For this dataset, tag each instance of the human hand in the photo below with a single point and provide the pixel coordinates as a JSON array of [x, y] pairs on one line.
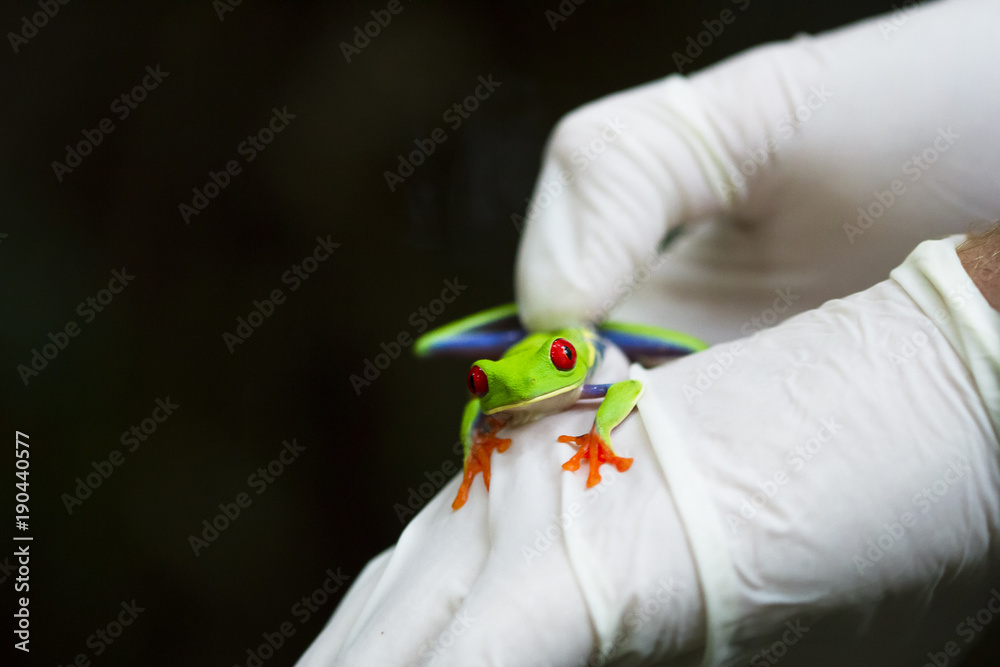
[[460, 586], [812, 504], [509, 578], [805, 170]]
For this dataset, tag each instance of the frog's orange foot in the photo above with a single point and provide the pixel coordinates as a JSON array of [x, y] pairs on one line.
[[479, 462], [596, 452]]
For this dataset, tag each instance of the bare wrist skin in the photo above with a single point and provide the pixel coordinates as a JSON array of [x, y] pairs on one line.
[[980, 255]]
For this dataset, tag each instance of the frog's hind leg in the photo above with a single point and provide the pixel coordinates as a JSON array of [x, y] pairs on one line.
[[649, 344], [482, 335], [595, 446]]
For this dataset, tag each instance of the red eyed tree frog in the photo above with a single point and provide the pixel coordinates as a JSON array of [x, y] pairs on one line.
[[527, 376]]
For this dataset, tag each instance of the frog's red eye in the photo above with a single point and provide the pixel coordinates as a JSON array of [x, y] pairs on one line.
[[478, 384], [563, 354]]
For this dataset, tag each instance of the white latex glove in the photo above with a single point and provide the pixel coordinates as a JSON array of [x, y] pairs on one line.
[[834, 120], [830, 496], [654, 564]]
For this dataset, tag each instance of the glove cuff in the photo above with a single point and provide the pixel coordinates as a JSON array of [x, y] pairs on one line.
[[935, 279]]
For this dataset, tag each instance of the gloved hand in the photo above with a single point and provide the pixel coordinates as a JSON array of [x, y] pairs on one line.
[[802, 170], [825, 492]]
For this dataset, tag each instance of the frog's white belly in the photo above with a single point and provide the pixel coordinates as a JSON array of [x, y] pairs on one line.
[[530, 411]]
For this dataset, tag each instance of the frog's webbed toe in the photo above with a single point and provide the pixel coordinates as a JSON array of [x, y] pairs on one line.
[[478, 461], [596, 452]]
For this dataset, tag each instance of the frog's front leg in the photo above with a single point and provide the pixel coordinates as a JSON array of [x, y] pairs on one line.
[[478, 441], [595, 447]]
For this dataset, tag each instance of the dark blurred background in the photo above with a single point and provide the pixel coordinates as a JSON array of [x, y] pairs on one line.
[[224, 69]]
